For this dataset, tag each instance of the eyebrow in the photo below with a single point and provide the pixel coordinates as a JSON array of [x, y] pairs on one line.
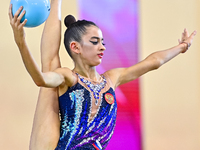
[[95, 37]]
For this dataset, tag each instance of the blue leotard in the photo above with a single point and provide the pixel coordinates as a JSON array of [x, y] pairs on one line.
[[78, 130]]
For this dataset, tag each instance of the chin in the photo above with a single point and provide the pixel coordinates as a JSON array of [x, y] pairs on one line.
[[96, 63], [99, 63]]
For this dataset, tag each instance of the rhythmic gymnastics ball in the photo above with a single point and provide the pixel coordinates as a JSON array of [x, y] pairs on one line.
[[37, 11]]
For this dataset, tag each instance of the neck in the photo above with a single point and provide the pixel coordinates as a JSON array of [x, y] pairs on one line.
[[87, 71]]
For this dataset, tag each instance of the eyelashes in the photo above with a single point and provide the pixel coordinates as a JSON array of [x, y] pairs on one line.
[[95, 43]]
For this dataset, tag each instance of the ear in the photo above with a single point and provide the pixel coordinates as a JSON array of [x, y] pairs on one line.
[[74, 46]]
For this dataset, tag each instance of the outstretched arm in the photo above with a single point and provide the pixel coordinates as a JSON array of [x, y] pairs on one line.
[[51, 38], [49, 79], [153, 61]]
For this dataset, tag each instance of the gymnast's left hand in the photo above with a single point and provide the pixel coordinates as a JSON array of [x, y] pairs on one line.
[[17, 27], [186, 39]]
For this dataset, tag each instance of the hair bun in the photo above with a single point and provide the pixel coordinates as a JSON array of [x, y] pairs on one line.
[[69, 20]]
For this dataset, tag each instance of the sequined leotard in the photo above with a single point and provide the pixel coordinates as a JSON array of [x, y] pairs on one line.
[[81, 128]]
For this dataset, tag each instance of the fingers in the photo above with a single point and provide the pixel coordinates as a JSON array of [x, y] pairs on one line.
[[183, 37], [186, 38], [179, 41], [193, 33], [23, 23], [192, 36], [186, 33], [17, 16], [10, 12], [15, 20], [21, 15]]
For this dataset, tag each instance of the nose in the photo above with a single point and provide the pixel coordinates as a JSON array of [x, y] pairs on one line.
[[103, 48]]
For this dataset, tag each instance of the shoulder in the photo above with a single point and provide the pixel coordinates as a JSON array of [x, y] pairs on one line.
[[113, 75], [68, 74]]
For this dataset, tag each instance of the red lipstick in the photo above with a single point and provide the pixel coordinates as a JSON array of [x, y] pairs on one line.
[[100, 55]]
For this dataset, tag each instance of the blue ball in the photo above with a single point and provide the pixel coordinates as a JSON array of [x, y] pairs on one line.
[[37, 11]]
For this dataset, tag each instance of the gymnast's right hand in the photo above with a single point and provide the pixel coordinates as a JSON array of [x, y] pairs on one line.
[[17, 27]]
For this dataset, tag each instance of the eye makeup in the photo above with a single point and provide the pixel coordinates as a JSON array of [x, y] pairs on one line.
[[96, 42]]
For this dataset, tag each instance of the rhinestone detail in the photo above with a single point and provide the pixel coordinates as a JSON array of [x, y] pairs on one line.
[[95, 88]]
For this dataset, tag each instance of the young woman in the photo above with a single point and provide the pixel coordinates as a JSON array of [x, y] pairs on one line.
[[87, 99]]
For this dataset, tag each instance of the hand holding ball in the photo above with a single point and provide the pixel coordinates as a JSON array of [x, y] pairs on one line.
[[37, 11]]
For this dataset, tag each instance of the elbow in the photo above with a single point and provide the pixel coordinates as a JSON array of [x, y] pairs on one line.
[[40, 83], [156, 63]]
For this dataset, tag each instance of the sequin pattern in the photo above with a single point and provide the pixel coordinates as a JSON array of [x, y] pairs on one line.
[[94, 88], [77, 132]]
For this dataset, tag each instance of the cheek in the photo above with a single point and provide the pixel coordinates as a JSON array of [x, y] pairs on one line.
[[88, 49]]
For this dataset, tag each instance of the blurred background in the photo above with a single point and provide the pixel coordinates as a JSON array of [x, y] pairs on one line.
[[167, 111]]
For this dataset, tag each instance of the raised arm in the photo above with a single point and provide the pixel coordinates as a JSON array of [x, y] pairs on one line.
[[51, 38], [153, 61], [49, 79]]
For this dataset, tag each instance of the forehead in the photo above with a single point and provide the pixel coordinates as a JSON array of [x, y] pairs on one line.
[[93, 31]]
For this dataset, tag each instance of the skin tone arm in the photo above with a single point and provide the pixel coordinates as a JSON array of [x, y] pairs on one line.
[[49, 79], [153, 61]]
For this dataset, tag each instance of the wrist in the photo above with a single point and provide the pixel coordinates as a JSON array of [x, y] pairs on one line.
[[185, 46], [21, 43]]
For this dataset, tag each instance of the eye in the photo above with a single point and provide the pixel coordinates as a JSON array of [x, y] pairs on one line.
[[103, 44], [94, 43]]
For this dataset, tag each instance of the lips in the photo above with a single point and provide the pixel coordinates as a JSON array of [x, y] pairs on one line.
[[100, 55]]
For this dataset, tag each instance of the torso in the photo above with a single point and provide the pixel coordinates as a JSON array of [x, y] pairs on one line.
[[87, 122]]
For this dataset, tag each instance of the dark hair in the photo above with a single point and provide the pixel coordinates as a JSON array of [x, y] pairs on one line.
[[75, 31]]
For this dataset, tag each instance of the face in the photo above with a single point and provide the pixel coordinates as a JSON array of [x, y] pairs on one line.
[[92, 46]]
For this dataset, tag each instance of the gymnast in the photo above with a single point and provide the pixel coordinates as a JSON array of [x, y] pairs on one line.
[[84, 98]]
